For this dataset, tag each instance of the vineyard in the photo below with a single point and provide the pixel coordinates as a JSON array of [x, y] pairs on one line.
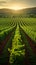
[[18, 41]]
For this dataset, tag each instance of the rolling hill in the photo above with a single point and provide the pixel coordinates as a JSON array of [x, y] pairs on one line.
[[28, 12]]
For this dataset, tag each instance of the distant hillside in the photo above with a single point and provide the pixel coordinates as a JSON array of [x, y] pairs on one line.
[[5, 12], [28, 12]]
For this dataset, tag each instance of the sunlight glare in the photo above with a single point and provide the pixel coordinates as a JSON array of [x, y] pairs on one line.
[[16, 7]]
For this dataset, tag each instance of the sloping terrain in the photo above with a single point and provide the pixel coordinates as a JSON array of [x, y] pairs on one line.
[[28, 12]]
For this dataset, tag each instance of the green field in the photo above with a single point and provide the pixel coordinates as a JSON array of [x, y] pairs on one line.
[[18, 41]]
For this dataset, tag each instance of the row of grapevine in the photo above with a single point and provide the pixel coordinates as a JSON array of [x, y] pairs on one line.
[[29, 55], [29, 26], [7, 29], [17, 51], [4, 47], [4, 33]]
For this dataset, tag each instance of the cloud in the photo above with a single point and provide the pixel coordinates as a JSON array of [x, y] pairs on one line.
[[2, 3], [23, 3]]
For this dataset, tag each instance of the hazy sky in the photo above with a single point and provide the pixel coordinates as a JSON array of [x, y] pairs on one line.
[[17, 4]]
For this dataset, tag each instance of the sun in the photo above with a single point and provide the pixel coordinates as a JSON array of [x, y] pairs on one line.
[[16, 7]]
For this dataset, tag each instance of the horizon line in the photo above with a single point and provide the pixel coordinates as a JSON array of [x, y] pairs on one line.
[[17, 9]]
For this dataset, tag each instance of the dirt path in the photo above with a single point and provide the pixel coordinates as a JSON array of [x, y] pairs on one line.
[[32, 45], [4, 42]]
